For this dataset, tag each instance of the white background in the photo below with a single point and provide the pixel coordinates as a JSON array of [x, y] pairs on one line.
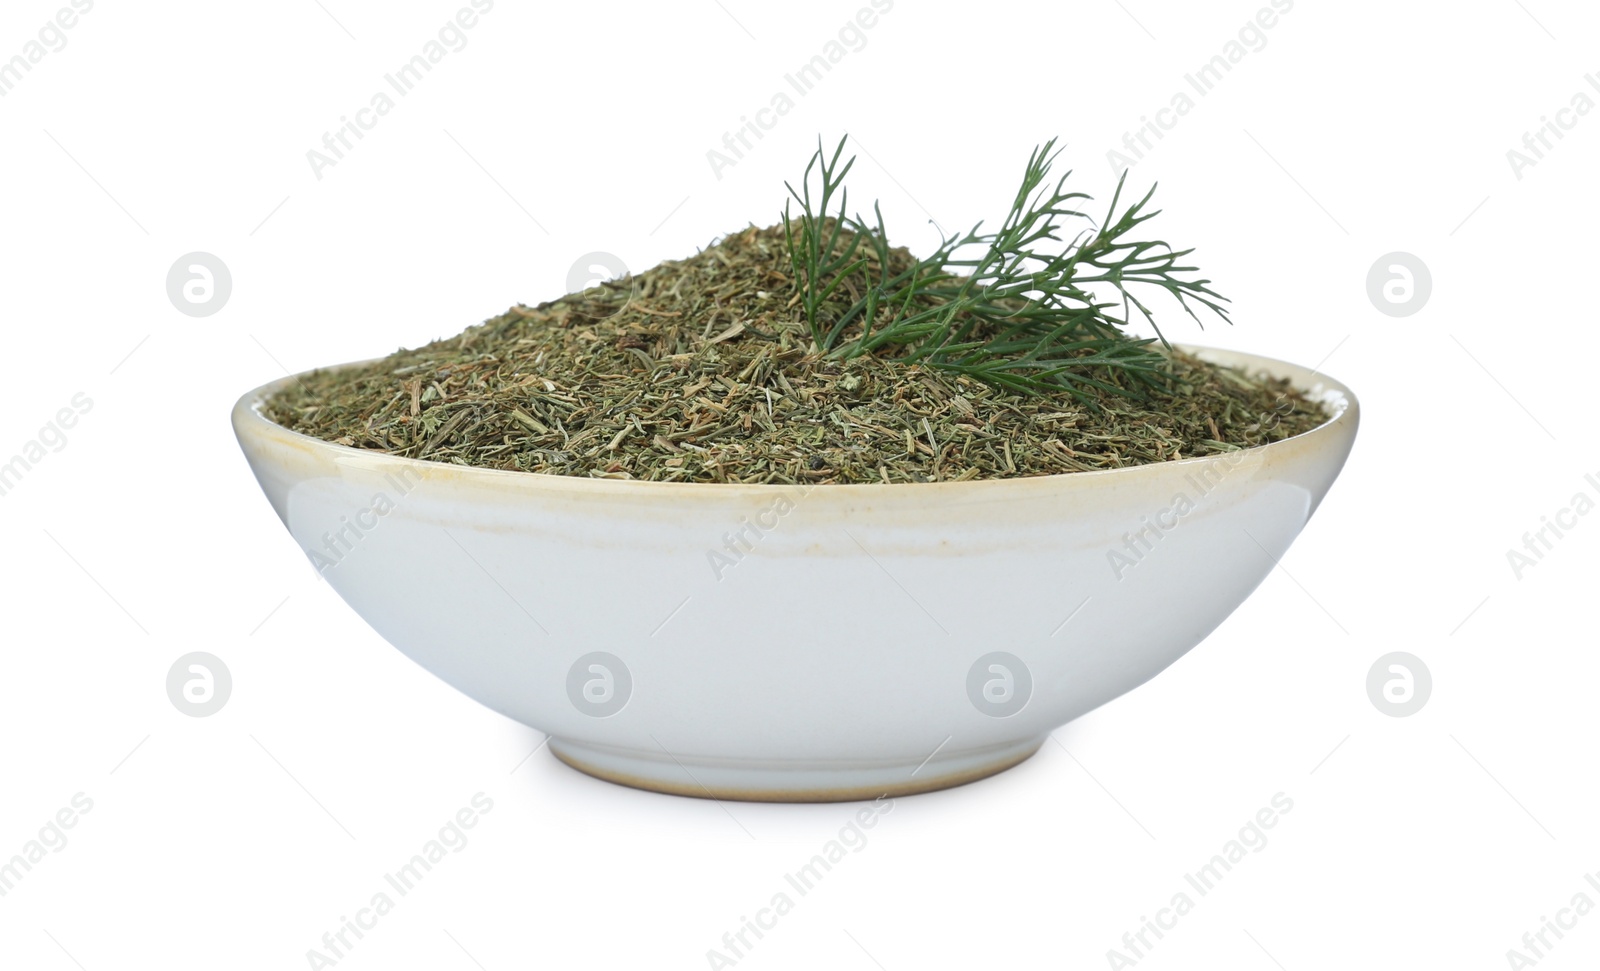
[[238, 840]]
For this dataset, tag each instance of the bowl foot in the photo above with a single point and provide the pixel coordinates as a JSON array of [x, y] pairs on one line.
[[789, 780]]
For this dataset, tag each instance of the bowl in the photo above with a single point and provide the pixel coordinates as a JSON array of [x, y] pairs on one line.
[[786, 643]]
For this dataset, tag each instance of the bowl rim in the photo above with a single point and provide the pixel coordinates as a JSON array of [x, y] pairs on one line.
[[249, 419]]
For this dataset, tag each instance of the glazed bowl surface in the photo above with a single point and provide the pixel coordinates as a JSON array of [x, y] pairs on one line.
[[786, 643]]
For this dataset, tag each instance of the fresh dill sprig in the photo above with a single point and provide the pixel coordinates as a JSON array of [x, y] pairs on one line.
[[1017, 307]]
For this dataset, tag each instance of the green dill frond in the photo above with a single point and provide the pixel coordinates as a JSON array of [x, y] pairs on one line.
[[1032, 307]]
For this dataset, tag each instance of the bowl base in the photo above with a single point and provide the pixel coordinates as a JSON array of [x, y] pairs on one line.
[[790, 781]]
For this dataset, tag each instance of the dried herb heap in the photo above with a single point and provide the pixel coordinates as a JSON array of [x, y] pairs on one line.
[[814, 352]]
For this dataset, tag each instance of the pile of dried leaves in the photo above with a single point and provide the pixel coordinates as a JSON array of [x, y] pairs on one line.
[[700, 371]]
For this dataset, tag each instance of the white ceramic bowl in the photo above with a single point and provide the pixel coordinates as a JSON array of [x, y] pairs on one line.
[[867, 639]]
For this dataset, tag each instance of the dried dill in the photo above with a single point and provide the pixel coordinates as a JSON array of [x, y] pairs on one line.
[[813, 352]]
